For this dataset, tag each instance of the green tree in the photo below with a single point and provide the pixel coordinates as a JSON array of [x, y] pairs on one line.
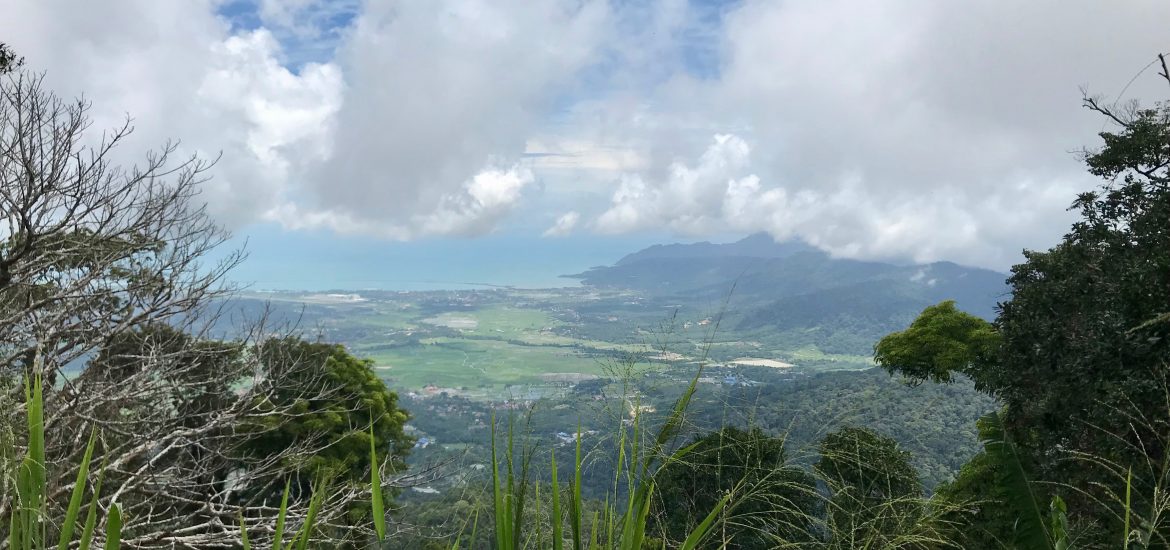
[[942, 341], [335, 421], [774, 499], [875, 493], [1080, 352]]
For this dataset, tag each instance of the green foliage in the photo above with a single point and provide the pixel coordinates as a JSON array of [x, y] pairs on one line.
[[778, 497], [1086, 335], [353, 411], [1019, 494], [1002, 507], [621, 524], [1078, 356], [941, 342], [377, 505], [874, 491], [1058, 515], [28, 526]]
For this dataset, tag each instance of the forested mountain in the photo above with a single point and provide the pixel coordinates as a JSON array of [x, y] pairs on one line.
[[799, 294], [759, 245], [762, 269]]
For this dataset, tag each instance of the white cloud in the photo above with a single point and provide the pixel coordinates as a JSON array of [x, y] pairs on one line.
[[564, 225], [472, 210], [892, 129], [687, 200], [182, 74], [435, 91], [417, 127]]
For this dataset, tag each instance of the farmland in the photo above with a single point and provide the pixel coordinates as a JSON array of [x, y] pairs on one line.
[[510, 344]]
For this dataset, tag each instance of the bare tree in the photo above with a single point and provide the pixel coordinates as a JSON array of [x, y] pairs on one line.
[[106, 291], [178, 415], [89, 249]]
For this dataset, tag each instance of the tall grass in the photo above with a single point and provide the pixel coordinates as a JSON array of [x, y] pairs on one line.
[[621, 522], [29, 525]]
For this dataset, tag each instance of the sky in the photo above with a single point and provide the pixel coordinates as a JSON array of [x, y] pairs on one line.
[[399, 144]]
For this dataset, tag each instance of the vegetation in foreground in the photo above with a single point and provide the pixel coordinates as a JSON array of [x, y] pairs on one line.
[[210, 443]]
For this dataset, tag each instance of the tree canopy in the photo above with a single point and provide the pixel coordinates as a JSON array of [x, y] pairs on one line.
[[777, 498], [1079, 354], [942, 341], [337, 419]]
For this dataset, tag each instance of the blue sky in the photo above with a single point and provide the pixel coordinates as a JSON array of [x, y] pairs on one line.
[[510, 141]]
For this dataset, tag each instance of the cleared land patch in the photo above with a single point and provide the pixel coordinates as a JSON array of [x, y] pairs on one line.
[[756, 362]]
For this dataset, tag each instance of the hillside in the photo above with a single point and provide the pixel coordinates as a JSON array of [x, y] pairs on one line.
[[781, 287]]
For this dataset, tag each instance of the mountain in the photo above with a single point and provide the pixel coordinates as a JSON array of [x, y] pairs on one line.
[[795, 287], [759, 245]]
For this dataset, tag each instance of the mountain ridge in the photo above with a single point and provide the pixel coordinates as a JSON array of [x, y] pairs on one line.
[[792, 286]]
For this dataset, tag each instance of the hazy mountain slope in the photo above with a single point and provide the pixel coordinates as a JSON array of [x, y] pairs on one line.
[[791, 287], [759, 245]]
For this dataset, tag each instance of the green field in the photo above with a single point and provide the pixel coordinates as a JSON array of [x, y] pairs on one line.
[[478, 364], [497, 343]]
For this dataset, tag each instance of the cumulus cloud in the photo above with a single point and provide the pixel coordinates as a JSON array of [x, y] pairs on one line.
[[564, 225], [720, 192], [438, 90], [688, 199], [182, 73], [893, 129], [416, 126], [472, 210]]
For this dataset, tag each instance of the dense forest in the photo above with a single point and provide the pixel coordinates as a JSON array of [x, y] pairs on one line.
[[130, 421]]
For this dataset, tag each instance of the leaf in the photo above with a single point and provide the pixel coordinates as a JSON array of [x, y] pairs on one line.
[[575, 504], [701, 530], [1002, 453], [70, 522], [501, 516], [474, 528], [244, 533], [306, 532], [278, 535], [114, 528], [1059, 516], [376, 503], [558, 537], [91, 515]]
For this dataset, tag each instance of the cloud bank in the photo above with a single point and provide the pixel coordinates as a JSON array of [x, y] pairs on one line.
[[884, 130]]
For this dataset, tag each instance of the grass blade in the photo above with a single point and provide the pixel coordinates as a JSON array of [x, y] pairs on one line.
[[474, 528], [91, 515], [701, 530], [278, 535], [14, 536], [1031, 528], [244, 533], [1128, 506], [376, 502], [30, 479], [558, 541], [593, 544], [114, 528], [1059, 518], [575, 509], [306, 531], [78, 493], [501, 516]]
